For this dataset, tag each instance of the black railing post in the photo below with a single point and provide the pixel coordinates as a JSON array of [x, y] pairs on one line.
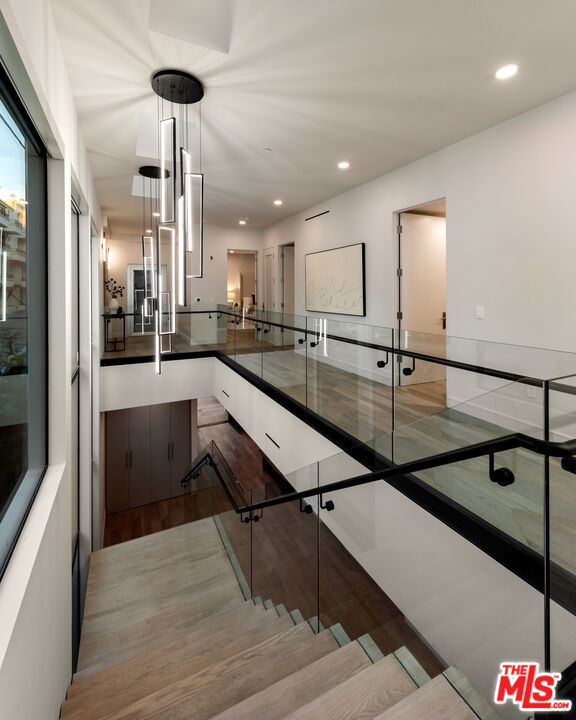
[[547, 649]]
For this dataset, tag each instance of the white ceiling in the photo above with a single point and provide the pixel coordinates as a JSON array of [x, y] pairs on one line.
[[377, 82]]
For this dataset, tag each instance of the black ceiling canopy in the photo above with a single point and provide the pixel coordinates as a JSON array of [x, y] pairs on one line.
[[177, 86], [152, 171]]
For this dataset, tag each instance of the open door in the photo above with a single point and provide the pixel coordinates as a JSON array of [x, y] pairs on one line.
[[422, 296]]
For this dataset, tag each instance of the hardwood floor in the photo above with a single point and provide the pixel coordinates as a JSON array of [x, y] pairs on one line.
[[279, 555]]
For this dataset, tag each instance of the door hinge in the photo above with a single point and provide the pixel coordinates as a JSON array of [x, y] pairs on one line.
[[398, 316], [399, 229], [399, 272]]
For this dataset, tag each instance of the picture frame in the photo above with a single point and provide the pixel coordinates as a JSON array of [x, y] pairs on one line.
[[335, 281]]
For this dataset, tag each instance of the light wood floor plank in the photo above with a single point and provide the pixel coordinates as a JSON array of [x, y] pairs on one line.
[[363, 696], [170, 664], [302, 686], [229, 682], [437, 700]]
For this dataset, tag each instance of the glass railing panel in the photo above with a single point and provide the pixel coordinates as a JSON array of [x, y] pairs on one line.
[[284, 353], [390, 568], [214, 490], [519, 360], [200, 328], [513, 508], [350, 376], [128, 333], [248, 333], [285, 548], [562, 427]]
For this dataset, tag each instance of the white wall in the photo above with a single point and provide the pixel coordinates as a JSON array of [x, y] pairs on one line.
[[35, 593], [509, 229], [217, 240]]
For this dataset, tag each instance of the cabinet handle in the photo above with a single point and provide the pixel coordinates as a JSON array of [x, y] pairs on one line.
[[168, 451], [172, 450], [126, 460]]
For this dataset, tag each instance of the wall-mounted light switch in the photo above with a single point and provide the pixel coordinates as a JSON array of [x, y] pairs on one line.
[[479, 312]]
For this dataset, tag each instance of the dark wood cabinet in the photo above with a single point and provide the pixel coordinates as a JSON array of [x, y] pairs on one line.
[[148, 452]]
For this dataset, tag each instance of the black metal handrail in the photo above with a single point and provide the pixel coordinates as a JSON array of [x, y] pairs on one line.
[[401, 352], [488, 448]]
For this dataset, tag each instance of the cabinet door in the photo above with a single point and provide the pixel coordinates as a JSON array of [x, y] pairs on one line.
[[160, 451], [117, 472], [139, 459], [181, 445]]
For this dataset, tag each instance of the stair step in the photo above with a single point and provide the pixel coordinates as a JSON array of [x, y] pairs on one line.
[[281, 610], [303, 686], [141, 551], [167, 667], [228, 682], [268, 604], [436, 700], [179, 576], [119, 643], [297, 617], [315, 624], [412, 666], [200, 634], [471, 696], [365, 695], [257, 600], [370, 648], [340, 635]]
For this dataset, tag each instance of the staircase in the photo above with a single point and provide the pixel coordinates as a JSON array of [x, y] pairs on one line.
[[168, 635]]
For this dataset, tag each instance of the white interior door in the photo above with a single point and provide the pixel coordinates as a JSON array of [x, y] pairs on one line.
[[423, 294]]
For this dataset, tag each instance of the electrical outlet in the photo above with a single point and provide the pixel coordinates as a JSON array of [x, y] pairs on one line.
[[479, 312]]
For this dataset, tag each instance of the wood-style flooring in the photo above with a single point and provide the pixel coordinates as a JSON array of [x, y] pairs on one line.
[[279, 555]]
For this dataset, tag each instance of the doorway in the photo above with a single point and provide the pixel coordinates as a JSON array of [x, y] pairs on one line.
[[421, 273], [241, 280]]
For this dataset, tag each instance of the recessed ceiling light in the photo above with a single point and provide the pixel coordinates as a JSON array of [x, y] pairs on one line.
[[231, 251], [506, 71], [155, 214], [241, 222], [344, 165], [148, 231], [277, 202]]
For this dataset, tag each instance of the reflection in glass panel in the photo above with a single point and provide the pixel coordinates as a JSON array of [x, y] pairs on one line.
[[13, 310]]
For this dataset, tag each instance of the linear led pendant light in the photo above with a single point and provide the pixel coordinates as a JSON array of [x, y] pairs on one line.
[[179, 226]]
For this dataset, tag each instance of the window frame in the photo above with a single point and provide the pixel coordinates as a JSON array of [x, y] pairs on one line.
[[20, 503]]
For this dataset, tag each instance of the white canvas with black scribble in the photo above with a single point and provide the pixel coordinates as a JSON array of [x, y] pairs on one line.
[[335, 281]]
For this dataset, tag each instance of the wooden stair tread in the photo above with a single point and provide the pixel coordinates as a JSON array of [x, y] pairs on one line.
[[303, 686], [197, 634], [437, 700], [364, 696], [153, 559], [174, 577], [200, 530], [110, 645], [232, 680], [154, 604], [167, 668]]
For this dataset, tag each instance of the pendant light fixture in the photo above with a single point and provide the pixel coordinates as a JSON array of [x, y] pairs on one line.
[[177, 222]]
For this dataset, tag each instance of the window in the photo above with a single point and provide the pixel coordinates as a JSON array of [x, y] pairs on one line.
[[23, 301]]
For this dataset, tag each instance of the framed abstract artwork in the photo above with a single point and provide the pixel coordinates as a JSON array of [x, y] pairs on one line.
[[336, 280]]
